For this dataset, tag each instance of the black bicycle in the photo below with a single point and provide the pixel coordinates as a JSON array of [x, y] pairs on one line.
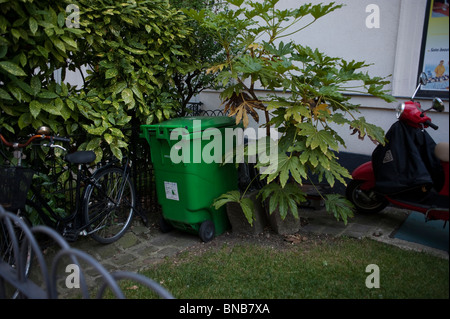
[[104, 196]]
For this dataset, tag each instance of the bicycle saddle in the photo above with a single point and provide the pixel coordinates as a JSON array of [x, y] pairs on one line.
[[80, 157]]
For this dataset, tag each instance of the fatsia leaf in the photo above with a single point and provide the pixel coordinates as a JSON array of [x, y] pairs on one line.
[[314, 157], [377, 90], [297, 113], [341, 207], [237, 3], [375, 133], [320, 10], [321, 108], [284, 199], [231, 196], [335, 171], [283, 166], [247, 207], [323, 139], [245, 203]]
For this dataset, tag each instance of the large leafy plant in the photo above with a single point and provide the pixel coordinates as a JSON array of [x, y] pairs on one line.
[[309, 94], [129, 48], [132, 48], [34, 43]]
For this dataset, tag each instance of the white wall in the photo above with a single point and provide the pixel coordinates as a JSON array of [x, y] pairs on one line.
[[393, 49]]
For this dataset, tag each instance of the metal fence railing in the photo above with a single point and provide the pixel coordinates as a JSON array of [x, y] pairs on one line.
[[18, 242]]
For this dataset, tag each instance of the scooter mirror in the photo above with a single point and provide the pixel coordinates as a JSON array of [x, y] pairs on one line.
[[438, 105], [423, 79]]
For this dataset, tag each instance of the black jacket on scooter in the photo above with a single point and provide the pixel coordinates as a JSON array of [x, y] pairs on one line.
[[407, 162]]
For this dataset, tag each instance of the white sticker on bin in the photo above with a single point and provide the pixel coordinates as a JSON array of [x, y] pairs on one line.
[[171, 190]]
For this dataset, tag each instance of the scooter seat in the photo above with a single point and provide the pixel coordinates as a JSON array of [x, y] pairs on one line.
[[441, 151]]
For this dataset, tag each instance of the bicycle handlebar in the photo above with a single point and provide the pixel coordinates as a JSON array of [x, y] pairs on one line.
[[61, 139], [31, 139]]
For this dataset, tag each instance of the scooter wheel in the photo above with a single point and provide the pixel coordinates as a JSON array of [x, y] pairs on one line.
[[365, 201]]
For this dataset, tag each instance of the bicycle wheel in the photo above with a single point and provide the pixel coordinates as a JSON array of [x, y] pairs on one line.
[[109, 205], [8, 253]]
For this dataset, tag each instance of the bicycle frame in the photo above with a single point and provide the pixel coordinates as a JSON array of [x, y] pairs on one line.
[[104, 201], [75, 222]]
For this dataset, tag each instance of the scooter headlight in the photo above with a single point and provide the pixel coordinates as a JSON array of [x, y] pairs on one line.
[[399, 109]]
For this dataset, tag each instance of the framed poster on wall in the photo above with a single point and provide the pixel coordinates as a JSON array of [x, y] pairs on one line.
[[434, 59]]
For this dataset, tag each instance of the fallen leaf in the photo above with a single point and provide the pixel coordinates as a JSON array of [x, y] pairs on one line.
[[133, 287], [294, 239]]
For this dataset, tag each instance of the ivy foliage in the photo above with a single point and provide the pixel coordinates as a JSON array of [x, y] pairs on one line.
[[34, 43], [129, 50], [311, 95]]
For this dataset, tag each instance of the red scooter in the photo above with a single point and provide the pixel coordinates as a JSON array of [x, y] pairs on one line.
[[410, 171]]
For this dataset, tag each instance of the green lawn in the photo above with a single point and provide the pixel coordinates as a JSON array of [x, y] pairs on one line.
[[333, 268]]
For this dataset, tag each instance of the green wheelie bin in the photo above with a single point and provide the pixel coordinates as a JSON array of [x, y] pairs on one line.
[[187, 155]]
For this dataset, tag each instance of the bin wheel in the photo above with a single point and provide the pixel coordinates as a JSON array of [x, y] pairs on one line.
[[206, 231], [164, 225]]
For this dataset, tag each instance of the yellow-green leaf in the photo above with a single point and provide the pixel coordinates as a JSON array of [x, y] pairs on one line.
[[4, 95], [12, 68], [24, 120], [59, 44], [35, 85], [35, 108], [33, 25], [116, 132], [127, 96], [93, 144], [108, 138], [117, 152], [110, 73], [69, 41]]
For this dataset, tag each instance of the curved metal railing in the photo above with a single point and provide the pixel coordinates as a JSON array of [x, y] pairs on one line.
[[13, 274]]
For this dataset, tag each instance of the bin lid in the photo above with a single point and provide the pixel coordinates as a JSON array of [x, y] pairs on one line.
[[194, 123]]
